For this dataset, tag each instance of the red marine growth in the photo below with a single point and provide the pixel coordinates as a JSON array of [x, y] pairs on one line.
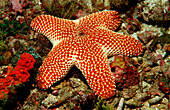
[[17, 75]]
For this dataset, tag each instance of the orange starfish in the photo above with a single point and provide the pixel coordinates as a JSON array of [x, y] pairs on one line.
[[86, 43]]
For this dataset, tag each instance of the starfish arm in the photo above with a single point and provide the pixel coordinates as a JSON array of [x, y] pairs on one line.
[[55, 29], [115, 43], [106, 19], [92, 61], [55, 66]]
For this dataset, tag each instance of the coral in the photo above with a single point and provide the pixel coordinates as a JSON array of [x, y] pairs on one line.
[[152, 11], [26, 61], [148, 32], [71, 94], [118, 62], [26, 10], [16, 76], [156, 10], [17, 5], [125, 75], [130, 23], [29, 50], [72, 91], [144, 96], [34, 100], [16, 47]]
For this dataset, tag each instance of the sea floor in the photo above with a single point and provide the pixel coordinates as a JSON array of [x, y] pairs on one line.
[[142, 82]]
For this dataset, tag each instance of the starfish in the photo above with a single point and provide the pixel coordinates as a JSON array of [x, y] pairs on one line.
[[85, 43]]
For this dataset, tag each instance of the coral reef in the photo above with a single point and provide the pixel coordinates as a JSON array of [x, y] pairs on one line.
[[71, 94], [151, 11], [148, 32], [145, 99], [11, 28], [33, 101], [141, 82], [156, 10]]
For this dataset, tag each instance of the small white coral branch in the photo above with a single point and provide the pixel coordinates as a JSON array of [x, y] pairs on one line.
[[120, 106]]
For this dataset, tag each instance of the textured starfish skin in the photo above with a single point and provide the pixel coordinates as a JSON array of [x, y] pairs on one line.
[[107, 19], [85, 43]]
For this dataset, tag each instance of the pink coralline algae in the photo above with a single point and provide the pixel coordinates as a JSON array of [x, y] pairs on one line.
[[16, 76], [18, 6]]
